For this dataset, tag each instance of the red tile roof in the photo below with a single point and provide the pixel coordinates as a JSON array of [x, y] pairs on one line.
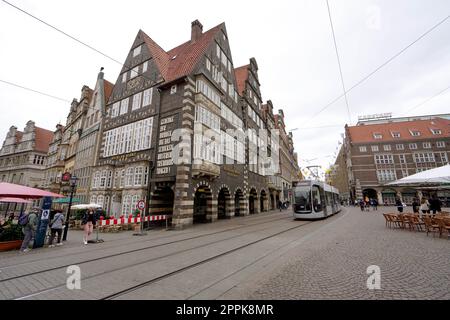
[[180, 61], [241, 75], [364, 133], [108, 88], [43, 138]]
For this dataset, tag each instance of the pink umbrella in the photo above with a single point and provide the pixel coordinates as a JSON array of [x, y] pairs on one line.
[[14, 200], [23, 192]]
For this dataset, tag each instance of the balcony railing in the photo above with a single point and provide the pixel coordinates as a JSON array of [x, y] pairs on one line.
[[205, 168]]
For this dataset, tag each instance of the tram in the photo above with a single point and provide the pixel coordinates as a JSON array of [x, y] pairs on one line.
[[315, 200]]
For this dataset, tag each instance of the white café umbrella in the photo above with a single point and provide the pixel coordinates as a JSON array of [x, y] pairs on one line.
[[86, 206], [436, 176]]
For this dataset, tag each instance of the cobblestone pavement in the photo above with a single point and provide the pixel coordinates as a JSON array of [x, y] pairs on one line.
[[324, 259], [332, 264]]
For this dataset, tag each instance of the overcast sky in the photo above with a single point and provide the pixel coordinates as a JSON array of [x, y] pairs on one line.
[[291, 41]]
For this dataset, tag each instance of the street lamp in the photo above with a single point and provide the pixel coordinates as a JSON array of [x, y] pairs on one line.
[[73, 184]]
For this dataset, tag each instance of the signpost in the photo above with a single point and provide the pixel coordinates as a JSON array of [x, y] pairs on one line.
[[141, 206], [41, 231]]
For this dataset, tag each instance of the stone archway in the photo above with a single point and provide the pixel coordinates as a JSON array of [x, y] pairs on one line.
[[202, 204], [239, 205], [263, 206], [253, 201], [224, 204], [370, 193]]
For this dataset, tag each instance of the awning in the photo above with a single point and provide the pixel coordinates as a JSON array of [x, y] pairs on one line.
[[436, 176], [67, 200], [14, 200], [86, 206], [23, 192]]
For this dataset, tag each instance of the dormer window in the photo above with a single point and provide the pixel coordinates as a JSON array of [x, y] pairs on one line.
[[395, 134], [436, 131], [137, 51], [377, 135], [173, 89], [415, 133]]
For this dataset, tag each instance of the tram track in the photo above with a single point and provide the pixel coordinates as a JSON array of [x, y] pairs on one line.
[[29, 276], [155, 279], [146, 261], [175, 234]]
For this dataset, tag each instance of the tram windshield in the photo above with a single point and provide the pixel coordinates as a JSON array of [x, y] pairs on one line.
[[302, 198]]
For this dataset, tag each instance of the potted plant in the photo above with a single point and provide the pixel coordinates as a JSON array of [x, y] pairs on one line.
[[11, 236]]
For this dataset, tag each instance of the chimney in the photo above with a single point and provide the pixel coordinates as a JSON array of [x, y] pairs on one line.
[[196, 30]]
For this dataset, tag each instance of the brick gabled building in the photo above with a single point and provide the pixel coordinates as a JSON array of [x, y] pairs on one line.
[[380, 151], [175, 126]]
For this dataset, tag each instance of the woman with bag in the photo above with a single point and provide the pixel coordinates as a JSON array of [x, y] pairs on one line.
[[89, 220], [56, 227]]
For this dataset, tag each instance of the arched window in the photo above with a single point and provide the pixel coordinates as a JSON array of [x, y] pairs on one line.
[[93, 199], [100, 200]]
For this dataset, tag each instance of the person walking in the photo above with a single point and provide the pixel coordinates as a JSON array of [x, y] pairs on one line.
[[280, 205], [415, 205], [424, 205], [375, 204], [56, 227], [399, 205], [435, 204], [89, 220], [29, 225], [361, 204]]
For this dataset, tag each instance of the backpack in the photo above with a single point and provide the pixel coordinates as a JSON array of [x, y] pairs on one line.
[[23, 219]]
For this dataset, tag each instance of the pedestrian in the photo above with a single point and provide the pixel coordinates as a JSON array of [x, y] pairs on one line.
[[29, 225], [435, 204], [89, 220], [361, 204], [415, 205], [280, 205], [424, 205], [56, 227], [399, 205], [375, 204]]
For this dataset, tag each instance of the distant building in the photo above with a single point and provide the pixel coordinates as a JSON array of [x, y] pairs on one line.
[[24, 154], [75, 146], [378, 151]]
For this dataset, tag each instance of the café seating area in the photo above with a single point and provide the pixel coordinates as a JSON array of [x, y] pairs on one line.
[[437, 224]]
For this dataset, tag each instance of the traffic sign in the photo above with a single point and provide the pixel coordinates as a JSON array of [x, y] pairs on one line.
[[141, 205]]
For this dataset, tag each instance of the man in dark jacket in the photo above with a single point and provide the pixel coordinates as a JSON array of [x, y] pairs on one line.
[[435, 204]]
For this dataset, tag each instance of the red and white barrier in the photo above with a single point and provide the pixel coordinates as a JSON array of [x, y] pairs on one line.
[[112, 222]]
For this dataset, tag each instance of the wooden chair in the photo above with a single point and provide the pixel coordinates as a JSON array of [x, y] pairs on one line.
[[430, 226], [417, 223], [404, 218], [388, 221], [395, 220], [444, 226]]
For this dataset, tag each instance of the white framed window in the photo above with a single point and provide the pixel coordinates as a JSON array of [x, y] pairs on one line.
[[415, 133], [103, 179], [115, 109], [399, 146], [148, 93], [208, 91], [136, 101], [413, 146], [129, 177], [134, 72], [122, 178], [124, 77], [362, 149], [395, 134], [126, 206], [377, 135], [402, 158], [138, 176], [208, 64], [436, 131], [384, 159], [374, 148], [144, 66], [124, 106], [387, 147], [137, 51], [173, 89], [386, 175], [424, 157], [426, 145], [440, 144], [218, 50], [134, 200]]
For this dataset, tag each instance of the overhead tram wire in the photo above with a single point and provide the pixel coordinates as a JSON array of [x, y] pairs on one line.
[[71, 37], [381, 66], [61, 31], [35, 91], [339, 62], [426, 100]]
